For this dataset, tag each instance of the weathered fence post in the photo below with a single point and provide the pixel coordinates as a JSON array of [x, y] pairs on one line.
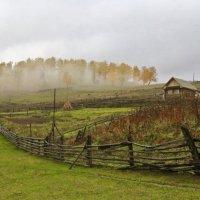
[[130, 148], [30, 129], [89, 151], [17, 141], [41, 147], [192, 147], [45, 146], [38, 146], [61, 147], [31, 145]]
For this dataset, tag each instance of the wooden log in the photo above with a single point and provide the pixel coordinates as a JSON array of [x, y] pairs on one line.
[[78, 157], [112, 160], [192, 147], [105, 146], [109, 163], [157, 146], [178, 146], [89, 151], [176, 165], [163, 159], [130, 148], [18, 141], [46, 144]]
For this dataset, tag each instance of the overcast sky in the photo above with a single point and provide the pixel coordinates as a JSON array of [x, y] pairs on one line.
[[160, 33]]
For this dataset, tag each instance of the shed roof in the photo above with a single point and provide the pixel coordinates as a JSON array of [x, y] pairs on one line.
[[182, 83]]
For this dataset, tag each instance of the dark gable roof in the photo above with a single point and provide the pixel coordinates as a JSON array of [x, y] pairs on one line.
[[182, 83]]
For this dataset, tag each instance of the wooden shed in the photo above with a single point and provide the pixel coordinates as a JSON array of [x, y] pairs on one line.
[[176, 87]]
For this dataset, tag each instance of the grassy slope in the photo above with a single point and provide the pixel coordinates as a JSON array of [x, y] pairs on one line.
[[27, 177], [46, 96], [62, 94]]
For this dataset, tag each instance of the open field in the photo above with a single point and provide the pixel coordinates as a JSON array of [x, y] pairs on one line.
[[45, 96], [153, 125], [36, 109], [27, 177], [99, 100], [24, 108], [19, 122], [30, 177]]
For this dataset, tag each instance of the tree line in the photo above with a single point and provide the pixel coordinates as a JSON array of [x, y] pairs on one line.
[[67, 72]]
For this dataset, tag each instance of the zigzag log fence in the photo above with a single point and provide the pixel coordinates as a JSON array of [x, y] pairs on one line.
[[178, 155]]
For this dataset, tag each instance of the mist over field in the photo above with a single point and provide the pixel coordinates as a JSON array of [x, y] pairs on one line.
[[39, 74], [164, 34]]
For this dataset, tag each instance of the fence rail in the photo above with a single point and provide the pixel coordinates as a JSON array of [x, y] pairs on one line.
[[177, 155]]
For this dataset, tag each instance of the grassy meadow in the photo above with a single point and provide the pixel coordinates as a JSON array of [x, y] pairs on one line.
[[41, 119], [46, 96], [65, 119], [16, 103], [27, 177]]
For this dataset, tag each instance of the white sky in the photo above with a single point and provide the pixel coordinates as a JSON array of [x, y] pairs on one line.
[[160, 33]]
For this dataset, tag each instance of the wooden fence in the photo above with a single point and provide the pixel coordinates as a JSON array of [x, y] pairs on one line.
[[178, 155]]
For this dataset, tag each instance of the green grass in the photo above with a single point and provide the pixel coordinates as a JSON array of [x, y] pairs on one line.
[[65, 120], [90, 113], [27, 177]]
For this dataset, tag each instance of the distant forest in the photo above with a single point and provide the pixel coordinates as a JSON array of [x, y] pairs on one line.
[[43, 73]]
